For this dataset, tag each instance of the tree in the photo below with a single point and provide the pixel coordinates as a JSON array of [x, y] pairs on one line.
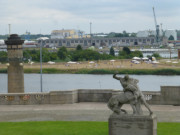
[[133, 34], [118, 35], [3, 56], [112, 51], [171, 38], [125, 34], [127, 50], [78, 48], [62, 53], [53, 56], [45, 55], [85, 55], [156, 55], [136, 54]]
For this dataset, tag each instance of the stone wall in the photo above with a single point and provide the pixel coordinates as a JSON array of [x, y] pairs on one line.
[[168, 95], [92, 95]]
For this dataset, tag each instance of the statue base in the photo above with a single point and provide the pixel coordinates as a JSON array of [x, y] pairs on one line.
[[132, 125]]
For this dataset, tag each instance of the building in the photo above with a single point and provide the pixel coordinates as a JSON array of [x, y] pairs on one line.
[[169, 33], [98, 42], [145, 33], [70, 34], [166, 33]]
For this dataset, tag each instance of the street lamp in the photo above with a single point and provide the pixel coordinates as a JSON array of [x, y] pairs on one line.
[[41, 67]]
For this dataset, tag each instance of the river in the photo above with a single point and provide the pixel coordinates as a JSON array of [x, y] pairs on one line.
[[53, 82]]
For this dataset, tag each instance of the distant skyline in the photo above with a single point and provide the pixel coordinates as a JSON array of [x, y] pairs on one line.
[[43, 16]]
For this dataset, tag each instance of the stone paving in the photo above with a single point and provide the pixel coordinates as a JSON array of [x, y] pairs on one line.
[[86, 111]]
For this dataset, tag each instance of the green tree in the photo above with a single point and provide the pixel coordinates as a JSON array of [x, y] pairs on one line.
[[136, 54], [26, 55], [133, 34], [85, 55], [79, 47], [112, 51], [62, 53], [31, 54], [125, 34], [3, 56], [45, 55], [53, 56], [127, 50], [122, 54], [118, 35], [171, 38], [156, 55], [105, 56]]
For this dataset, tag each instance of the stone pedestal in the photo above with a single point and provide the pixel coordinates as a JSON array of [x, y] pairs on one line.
[[132, 125]]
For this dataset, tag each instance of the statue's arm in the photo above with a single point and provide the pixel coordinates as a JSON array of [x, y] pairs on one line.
[[115, 77], [136, 81]]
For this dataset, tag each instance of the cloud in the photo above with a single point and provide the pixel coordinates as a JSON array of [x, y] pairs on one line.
[[106, 15]]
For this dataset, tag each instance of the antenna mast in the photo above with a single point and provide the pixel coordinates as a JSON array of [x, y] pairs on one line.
[[9, 29]]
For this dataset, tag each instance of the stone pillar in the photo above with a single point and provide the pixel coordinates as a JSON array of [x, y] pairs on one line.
[[15, 65], [132, 125]]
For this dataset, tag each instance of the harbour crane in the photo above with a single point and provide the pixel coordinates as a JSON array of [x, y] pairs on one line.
[[156, 26]]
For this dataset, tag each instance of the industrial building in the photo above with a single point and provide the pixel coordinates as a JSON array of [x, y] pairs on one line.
[[98, 42], [166, 33], [67, 34]]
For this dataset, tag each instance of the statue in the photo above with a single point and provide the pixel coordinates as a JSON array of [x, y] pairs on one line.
[[131, 94]]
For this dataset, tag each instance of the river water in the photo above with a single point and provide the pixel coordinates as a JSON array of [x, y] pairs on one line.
[[60, 82]]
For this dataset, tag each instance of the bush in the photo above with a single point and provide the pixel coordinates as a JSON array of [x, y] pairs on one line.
[[62, 53], [3, 56]]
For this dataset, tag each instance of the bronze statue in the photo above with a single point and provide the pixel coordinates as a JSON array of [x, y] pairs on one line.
[[131, 94]]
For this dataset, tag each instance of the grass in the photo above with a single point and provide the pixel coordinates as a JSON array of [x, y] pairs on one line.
[[54, 128], [168, 129], [72, 128]]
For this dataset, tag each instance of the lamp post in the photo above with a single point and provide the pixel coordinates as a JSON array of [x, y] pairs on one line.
[[41, 68]]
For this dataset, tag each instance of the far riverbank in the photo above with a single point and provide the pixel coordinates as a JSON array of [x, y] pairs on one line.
[[102, 71], [163, 67]]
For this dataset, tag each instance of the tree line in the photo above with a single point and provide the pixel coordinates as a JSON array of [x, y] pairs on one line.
[[78, 54]]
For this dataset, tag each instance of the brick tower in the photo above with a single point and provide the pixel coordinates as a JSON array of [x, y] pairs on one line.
[[15, 66]]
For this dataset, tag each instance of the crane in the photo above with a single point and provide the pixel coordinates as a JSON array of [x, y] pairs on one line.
[[156, 26]]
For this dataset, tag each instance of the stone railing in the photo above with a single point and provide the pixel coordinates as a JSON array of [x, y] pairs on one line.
[[168, 95]]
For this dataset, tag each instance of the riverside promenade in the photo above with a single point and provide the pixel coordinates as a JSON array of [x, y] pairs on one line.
[[84, 111]]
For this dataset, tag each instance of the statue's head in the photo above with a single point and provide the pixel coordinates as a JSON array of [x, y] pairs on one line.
[[126, 77]]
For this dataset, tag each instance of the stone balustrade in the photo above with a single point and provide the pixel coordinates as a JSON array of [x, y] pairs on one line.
[[168, 95]]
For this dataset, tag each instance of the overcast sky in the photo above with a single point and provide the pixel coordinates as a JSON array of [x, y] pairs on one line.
[[43, 16]]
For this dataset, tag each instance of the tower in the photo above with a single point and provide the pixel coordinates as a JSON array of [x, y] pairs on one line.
[[15, 66]]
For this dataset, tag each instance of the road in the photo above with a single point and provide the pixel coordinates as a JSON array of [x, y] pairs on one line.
[[78, 112]]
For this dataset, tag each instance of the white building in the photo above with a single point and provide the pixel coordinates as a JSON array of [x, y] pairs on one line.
[[145, 33], [1, 41], [72, 33], [167, 33]]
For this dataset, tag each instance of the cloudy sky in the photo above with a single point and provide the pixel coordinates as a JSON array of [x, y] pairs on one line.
[[43, 16]]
